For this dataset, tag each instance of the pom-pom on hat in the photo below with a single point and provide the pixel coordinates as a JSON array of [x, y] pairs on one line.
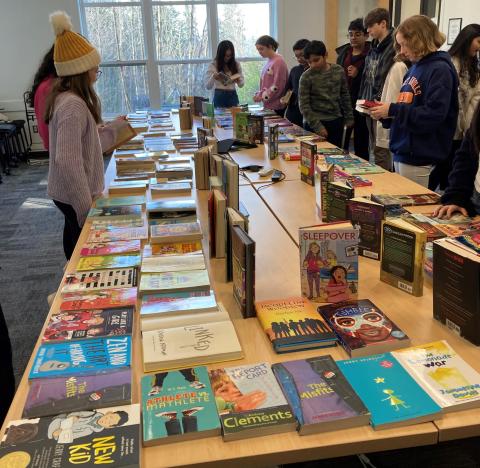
[[72, 54]]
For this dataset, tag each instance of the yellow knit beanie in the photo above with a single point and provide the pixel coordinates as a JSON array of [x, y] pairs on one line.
[[72, 54]]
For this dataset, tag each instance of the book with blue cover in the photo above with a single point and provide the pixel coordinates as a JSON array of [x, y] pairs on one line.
[[391, 395], [81, 357]]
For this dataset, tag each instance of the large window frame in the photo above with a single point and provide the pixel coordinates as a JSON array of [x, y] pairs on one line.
[[151, 62]]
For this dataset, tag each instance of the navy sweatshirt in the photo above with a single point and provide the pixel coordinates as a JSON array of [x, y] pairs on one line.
[[425, 115]]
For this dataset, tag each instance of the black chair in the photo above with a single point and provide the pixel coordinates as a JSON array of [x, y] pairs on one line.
[[8, 146]]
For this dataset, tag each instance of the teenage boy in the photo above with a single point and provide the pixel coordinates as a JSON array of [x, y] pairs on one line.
[[377, 65], [351, 57], [293, 111], [323, 95]]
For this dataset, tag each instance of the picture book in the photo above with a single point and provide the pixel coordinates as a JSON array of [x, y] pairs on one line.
[[174, 281], [292, 324], [109, 202], [320, 396], [323, 175], [170, 348], [78, 324], [116, 212], [391, 395], [402, 255], [362, 328], [250, 402], [329, 262], [102, 299], [308, 155], [81, 357], [338, 195], [178, 405], [47, 397], [101, 279], [110, 248], [272, 147], [179, 248], [241, 126], [179, 232], [104, 436], [443, 374], [101, 262], [407, 200], [103, 235], [173, 263], [425, 223], [255, 129]]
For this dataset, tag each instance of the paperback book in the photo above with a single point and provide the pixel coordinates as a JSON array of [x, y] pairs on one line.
[[272, 147], [308, 154], [323, 175], [173, 263], [338, 196], [110, 248], [179, 232], [174, 281], [101, 262], [166, 249], [407, 200], [102, 279], [103, 235], [120, 201], [102, 299]]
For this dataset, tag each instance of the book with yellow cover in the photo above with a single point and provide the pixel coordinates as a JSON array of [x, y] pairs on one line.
[[178, 248], [108, 261]]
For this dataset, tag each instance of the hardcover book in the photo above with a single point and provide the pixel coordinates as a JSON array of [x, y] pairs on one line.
[[110, 248], [102, 279], [308, 154], [81, 357], [362, 328], [320, 395], [47, 397], [329, 262], [178, 405], [107, 436], [338, 195], [97, 262], [393, 398], [250, 402], [292, 324], [174, 281], [102, 299], [179, 232], [173, 263]]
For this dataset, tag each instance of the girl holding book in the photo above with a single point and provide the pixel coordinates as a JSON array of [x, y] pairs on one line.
[[274, 77], [223, 75]]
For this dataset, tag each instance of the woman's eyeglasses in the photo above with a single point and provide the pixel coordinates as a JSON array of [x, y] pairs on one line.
[[99, 73]]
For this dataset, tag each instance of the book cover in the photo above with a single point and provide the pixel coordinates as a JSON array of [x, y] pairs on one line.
[[179, 248], [174, 281], [231, 186], [124, 212], [272, 147], [47, 397], [78, 324], [256, 127], [329, 262], [202, 134], [178, 405], [101, 262], [292, 324], [110, 248], [323, 175], [443, 374], [308, 155], [403, 255], [362, 328], [320, 395], [250, 402], [105, 436], [387, 390], [171, 208], [123, 132], [173, 263], [101, 279], [234, 218], [338, 195], [171, 189], [81, 357], [120, 201], [102, 299], [407, 200], [178, 232], [219, 223], [427, 224], [103, 235], [241, 126]]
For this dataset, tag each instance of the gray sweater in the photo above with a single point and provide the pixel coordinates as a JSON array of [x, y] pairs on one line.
[[323, 95]]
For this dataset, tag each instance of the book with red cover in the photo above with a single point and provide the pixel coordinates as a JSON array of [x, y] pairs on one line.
[[102, 299]]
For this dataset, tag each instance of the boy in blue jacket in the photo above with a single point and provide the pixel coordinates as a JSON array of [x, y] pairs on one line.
[[422, 123]]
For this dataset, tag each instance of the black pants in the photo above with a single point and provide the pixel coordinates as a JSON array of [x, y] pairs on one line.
[[360, 137], [71, 230], [7, 378], [334, 129], [439, 175], [280, 112]]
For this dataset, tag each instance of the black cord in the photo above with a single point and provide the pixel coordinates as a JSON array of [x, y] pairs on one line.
[[282, 177]]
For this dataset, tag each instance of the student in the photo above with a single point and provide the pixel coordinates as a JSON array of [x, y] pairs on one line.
[[377, 65], [422, 122], [219, 73], [42, 85], [75, 175], [293, 111], [274, 75], [324, 99], [351, 57]]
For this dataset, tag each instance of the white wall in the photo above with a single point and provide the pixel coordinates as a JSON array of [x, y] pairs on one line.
[[468, 10]]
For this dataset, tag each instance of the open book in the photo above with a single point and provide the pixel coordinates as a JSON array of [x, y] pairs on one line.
[[121, 132]]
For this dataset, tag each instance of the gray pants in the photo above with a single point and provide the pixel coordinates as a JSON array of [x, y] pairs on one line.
[[380, 156], [418, 174]]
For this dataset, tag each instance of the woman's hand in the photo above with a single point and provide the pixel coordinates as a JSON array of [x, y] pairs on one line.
[[446, 211], [381, 111], [257, 98], [323, 133]]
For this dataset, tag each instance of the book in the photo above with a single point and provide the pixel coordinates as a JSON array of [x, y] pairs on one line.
[[243, 271], [107, 436], [127, 188], [367, 216], [174, 281], [78, 324], [250, 402], [456, 296], [202, 134], [329, 262], [172, 189], [179, 232], [234, 218], [129, 212], [292, 324], [323, 175], [109, 248], [47, 397], [425, 223], [178, 405], [443, 374], [363, 328], [171, 208], [102, 299], [179, 248], [81, 357], [101, 262], [308, 155], [272, 146], [320, 396], [230, 180], [256, 127], [407, 200], [112, 234], [104, 202], [338, 195], [199, 344], [219, 223], [173, 263], [241, 127], [402, 255], [101, 279], [393, 398], [123, 132]]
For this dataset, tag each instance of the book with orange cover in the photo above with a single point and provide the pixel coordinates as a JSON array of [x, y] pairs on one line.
[[123, 133], [110, 248], [102, 299], [175, 248]]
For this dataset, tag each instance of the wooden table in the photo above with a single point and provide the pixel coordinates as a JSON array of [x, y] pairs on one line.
[[276, 213]]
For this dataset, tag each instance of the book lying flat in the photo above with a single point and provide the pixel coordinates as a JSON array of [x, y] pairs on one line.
[[100, 279], [96, 236], [110, 248], [104, 202], [173, 263], [101, 262], [174, 281], [179, 248], [101, 299]]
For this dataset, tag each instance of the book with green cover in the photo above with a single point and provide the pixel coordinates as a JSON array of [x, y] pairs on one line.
[[108, 261], [241, 126], [103, 202]]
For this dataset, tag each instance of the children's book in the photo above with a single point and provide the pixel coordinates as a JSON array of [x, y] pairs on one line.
[[308, 154], [178, 405], [173, 263], [320, 396], [110, 248], [174, 281], [338, 196], [97, 262], [104, 436], [103, 202], [101, 279], [407, 200], [103, 235], [323, 175], [78, 324], [443, 374], [173, 189], [47, 397], [171, 208], [180, 232], [102, 299], [81, 357], [362, 328], [167, 249], [391, 395], [329, 262], [272, 147], [255, 129], [241, 126], [292, 324], [250, 402], [116, 212]]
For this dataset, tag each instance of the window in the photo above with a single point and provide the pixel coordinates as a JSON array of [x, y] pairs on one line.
[[154, 51]]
